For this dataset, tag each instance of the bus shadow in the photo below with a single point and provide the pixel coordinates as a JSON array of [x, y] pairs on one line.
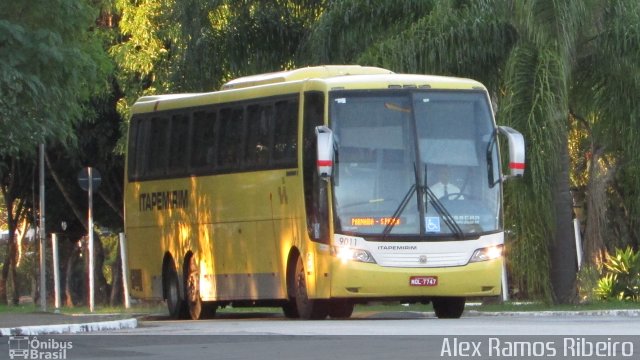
[[358, 316]]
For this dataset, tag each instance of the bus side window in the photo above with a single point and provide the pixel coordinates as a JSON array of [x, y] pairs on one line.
[[285, 132], [157, 156], [178, 144], [231, 138], [203, 149], [257, 150], [136, 148]]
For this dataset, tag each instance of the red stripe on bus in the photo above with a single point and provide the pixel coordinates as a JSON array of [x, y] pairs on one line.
[[325, 162], [519, 166]]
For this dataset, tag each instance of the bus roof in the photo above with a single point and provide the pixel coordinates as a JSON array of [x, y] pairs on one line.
[[317, 72], [333, 77]]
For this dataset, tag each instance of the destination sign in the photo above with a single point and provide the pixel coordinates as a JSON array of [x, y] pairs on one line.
[[375, 221]]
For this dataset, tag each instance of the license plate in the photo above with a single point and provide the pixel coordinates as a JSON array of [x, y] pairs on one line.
[[423, 281]]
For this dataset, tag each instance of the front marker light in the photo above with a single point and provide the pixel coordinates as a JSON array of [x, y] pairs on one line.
[[349, 254], [488, 253]]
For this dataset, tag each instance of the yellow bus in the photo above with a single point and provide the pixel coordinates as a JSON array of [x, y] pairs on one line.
[[316, 189]]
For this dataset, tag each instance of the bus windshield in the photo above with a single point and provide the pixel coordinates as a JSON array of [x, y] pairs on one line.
[[415, 162]]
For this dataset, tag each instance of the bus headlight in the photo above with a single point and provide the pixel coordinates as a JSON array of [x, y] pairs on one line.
[[348, 254], [485, 254]]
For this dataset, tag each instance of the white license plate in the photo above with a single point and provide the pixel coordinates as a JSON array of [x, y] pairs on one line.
[[423, 281]]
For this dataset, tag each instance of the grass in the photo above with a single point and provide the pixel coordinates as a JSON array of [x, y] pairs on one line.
[[538, 306], [154, 308], [19, 309], [160, 309]]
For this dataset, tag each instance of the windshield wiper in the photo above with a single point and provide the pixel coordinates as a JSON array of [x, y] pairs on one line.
[[399, 210], [441, 209], [403, 204], [435, 202], [451, 223]]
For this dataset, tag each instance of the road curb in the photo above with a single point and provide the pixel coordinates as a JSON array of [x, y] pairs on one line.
[[621, 313], [70, 328]]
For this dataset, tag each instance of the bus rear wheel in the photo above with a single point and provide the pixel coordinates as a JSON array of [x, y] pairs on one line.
[[290, 310], [308, 309], [192, 289], [448, 307], [175, 304]]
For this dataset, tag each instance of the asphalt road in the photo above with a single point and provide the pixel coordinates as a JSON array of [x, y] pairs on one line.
[[398, 323], [401, 335]]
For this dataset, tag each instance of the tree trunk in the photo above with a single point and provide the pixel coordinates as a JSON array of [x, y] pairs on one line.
[[596, 199], [562, 247], [71, 261], [11, 258], [14, 276], [5, 274], [101, 288], [116, 281]]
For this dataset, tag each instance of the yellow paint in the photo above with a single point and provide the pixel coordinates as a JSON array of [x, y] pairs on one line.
[[372, 280], [237, 225]]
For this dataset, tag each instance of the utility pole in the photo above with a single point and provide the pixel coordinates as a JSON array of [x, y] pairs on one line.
[[42, 233]]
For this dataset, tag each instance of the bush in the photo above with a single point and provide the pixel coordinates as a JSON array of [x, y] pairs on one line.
[[620, 278]]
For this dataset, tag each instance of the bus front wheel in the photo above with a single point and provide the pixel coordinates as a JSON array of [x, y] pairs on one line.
[[449, 307], [340, 309], [307, 308]]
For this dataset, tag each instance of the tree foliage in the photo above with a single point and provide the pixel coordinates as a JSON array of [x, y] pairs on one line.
[[559, 71], [541, 61], [196, 45], [49, 65]]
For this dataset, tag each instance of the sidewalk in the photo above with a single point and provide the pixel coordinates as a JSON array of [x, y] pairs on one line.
[[46, 323]]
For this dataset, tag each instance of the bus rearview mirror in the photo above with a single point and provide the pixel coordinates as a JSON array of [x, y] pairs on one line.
[[325, 152], [516, 150]]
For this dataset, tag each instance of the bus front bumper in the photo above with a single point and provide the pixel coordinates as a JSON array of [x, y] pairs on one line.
[[364, 280]]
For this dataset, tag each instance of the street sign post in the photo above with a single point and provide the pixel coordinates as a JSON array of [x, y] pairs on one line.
[[89, 180]]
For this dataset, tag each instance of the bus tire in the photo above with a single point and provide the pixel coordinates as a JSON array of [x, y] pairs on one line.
[[308, 309], [192, 288], [448, 307], [289, 309], [209, 310], [340, 309], [175, 303]]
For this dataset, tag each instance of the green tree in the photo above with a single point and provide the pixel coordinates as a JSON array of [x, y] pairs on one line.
[[196, 45], [607, 70], [50, 65]]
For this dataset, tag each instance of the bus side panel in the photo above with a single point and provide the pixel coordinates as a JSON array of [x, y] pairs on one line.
[[251, 215], [239, 227], [145, 264], [159, 220]]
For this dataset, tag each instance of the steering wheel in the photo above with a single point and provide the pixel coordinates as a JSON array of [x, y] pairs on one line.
[[452, 196]]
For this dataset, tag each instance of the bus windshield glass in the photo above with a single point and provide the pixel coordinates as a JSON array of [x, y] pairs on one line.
[[415, 162]]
